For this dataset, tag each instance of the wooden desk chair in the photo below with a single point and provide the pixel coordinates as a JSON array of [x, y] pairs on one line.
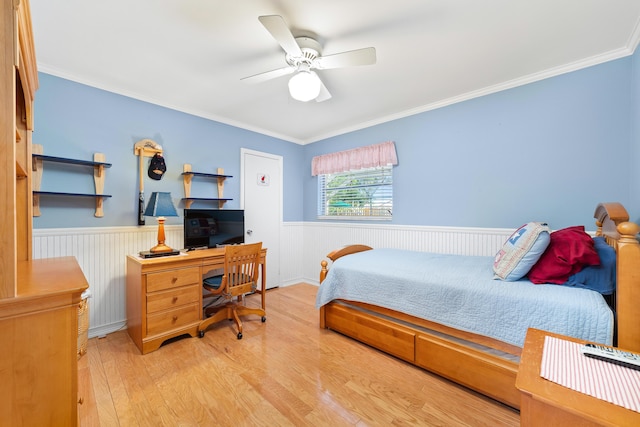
[[240, 277]]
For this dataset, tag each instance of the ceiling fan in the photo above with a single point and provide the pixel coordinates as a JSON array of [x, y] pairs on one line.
[[303, 55]]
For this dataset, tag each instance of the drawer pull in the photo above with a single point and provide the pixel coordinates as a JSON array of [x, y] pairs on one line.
[[174, 280], [175, 318], [81, 400], [175, 300]]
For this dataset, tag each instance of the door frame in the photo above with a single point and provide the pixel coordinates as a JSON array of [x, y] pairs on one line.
[[279, 159]]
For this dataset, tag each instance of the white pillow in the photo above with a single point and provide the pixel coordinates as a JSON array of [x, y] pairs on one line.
[[521, 251]]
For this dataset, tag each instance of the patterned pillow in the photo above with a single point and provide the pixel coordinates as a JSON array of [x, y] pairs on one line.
[[521, 251]]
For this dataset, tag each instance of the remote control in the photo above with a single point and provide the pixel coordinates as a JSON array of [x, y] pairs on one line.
[[612, 355]]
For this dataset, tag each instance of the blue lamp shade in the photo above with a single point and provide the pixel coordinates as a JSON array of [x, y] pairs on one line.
[[160, 204]]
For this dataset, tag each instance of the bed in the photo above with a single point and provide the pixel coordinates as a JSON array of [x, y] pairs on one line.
[[362, 298]]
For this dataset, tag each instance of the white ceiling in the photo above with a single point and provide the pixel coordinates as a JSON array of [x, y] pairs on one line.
[[190, 55]]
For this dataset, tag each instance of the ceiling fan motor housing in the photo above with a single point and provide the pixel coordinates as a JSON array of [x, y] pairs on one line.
[[310, 48]]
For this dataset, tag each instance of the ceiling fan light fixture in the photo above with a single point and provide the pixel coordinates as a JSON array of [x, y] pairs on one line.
[[304, 86]]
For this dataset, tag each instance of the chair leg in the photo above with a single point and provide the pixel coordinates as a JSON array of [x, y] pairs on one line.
[[231, 312], [244, 310], [224, 313], [238, 322]]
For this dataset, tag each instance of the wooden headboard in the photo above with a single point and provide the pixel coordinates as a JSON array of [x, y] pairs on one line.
[[613, 224]]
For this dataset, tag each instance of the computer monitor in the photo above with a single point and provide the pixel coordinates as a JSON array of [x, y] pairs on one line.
[[210, 228]]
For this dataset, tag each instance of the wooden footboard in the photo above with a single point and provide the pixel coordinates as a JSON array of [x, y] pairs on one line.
[[338, 253]]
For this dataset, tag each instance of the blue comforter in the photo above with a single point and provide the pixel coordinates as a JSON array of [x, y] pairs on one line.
[[460, 292]]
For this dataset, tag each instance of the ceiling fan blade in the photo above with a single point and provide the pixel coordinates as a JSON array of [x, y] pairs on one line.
[[365, 56], [263, 77], [324, 93], [280, 31]]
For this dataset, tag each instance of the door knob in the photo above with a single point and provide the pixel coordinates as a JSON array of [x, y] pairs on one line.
[[249, 232]]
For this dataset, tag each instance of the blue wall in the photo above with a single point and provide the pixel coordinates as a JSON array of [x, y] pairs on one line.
[[75, 121], [635, 120], [547, 151], [532, 153]]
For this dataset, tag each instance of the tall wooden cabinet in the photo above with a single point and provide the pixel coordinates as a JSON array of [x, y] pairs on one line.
[[38, 298]]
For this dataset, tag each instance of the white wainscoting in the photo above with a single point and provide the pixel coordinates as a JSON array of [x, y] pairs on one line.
[[101, 253], [320, 238]]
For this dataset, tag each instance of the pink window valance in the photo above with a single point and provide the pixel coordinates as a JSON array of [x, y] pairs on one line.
[[371, 156]]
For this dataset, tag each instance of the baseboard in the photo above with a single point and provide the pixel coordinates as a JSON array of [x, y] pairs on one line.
[[104, 330]]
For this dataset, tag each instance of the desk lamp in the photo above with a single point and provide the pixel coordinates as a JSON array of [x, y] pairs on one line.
[[160, 206]]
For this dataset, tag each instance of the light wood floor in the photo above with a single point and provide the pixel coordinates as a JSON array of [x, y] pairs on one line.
[[285, 372]]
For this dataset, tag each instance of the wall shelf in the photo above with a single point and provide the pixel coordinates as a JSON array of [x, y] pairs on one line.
[[60, 193], [71, 161], [98, 164], [219, 177], [190, 200], [209, 175]]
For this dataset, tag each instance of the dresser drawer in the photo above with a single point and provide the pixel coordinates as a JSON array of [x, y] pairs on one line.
[[158, 301], [173, 279], [167, 320]]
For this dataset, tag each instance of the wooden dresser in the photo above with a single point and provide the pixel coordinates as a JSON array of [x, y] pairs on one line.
[[38, 298], [164, 295], [39, 336]]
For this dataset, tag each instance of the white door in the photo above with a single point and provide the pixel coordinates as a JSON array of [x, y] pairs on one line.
[[261, 199]]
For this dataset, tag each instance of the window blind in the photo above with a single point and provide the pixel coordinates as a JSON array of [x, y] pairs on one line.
[[365, 193]]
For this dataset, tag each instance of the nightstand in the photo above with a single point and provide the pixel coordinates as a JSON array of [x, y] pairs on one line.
[[545, 403]]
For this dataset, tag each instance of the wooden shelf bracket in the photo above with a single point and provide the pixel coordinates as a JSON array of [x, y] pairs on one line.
[[187, 176], [98, 164]]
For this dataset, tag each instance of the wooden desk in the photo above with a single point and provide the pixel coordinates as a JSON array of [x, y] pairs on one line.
[[545, 403], [164, 295]]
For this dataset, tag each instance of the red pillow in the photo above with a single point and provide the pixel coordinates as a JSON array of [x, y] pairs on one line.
[[569, 251]]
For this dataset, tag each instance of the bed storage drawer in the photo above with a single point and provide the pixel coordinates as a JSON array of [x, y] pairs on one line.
[[379, 333], [489, 374]]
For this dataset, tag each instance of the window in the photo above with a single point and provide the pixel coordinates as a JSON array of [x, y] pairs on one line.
[[357, 194], [356, 183]]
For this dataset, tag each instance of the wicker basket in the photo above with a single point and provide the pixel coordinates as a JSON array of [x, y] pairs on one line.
[[83, 327]]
